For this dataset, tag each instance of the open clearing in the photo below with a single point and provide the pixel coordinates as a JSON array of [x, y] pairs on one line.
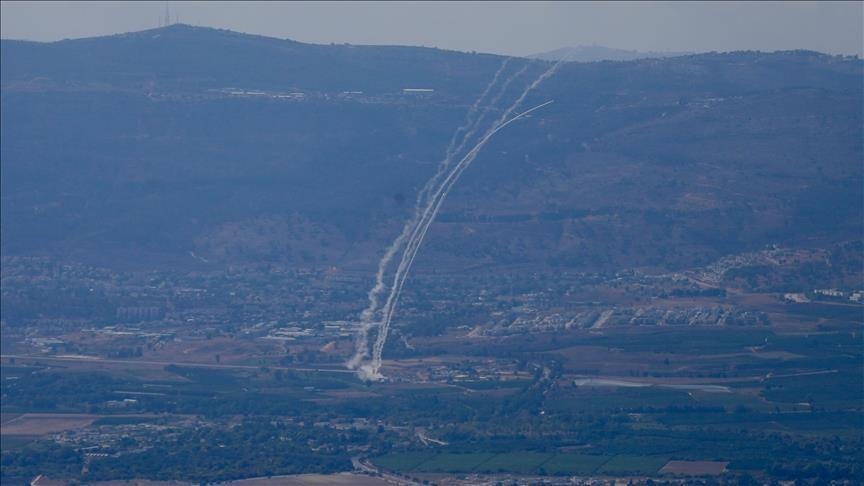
[[626, 464], [694, 468], [45, 423], [520, 463], [11, 442], [140, 482], [8, 417], [347, 479], [338, 479]]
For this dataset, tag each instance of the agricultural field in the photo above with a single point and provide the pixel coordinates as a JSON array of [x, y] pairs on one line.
[[626, 465], [339, 479], [622, 403], [14, 442], [694, 468], [36, 424], [525, 463], [657, 275], [574, 464]]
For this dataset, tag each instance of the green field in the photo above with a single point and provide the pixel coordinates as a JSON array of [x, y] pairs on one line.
[[406, 461], [9, 442], [521, 463], [690, 341], [494, 385], [515, 462], [126, 420], [454, 463], [832, 388], [576, 464], [633, 465], [588, 398]]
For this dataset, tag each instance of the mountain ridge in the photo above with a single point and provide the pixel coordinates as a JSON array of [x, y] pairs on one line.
[[595, 53], [710, 154]]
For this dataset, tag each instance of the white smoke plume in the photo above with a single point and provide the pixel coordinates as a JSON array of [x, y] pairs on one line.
[[367, 317], [371, 371], [470, 131], [470, 121], [419, 228]]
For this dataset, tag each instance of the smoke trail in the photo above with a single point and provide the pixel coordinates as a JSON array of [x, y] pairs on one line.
[[367, 317], [469, 117], [452, 150], [470, 126], [372, 371], [489, 106], [412, 224]]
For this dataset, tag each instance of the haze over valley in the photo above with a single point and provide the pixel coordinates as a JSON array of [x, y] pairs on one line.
[[653, 274]]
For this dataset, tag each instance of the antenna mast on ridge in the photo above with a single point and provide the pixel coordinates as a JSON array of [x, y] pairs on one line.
[[167, 20]]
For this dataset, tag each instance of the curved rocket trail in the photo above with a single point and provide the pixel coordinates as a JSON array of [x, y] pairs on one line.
[[372, 371], [470, 133], [418, 229], [367, 317], [470, 122]]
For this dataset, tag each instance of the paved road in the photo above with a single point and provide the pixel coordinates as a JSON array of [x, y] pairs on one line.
[[367, 467], [133, 362]]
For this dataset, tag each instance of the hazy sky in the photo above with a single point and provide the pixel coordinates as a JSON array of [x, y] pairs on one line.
[[517, 28]]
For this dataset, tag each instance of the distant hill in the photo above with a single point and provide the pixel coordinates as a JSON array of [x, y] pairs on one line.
[[145, 148], [180, 57], [599, 53]]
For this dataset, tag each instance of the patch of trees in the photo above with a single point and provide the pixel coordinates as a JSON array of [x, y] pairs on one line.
[[257, 447], [19, 466]]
